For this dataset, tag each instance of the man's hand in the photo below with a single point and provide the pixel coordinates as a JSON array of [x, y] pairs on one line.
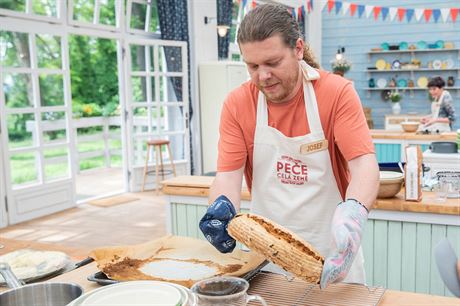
[[214, 224], [347, 226]]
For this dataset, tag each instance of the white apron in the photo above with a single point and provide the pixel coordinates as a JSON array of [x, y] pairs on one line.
[[298, 189], [438, 126]]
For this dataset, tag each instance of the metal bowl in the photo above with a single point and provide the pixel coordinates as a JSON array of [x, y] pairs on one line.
[[41, 294]]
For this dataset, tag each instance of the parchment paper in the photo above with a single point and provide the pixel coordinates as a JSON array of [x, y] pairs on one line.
[[124, 263]]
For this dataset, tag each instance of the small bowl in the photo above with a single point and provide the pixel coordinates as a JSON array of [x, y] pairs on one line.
[[390, 184], [410, 126]]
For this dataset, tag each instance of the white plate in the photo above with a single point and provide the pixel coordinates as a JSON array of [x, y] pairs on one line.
[[28, 264], [437, 64], [381, 83], [446, 261], [135, 293], [449, 63]]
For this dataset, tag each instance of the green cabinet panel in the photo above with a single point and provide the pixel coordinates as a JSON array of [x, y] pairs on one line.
[[388, 152], [394, 255], [380, 253]]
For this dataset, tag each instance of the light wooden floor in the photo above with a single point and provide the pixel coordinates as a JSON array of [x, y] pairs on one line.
[[87, 226], [96, 182]]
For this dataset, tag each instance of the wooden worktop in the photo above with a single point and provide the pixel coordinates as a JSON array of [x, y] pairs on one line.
[[385, 134], [390, 297], [199, 186]]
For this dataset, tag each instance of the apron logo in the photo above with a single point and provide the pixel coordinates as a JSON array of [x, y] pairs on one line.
[[291, 171]]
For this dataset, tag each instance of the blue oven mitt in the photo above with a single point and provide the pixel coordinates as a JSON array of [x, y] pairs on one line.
[[214, 224]]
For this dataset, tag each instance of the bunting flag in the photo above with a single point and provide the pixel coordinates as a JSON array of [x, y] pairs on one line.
[[361, 9], [436, 14], [454, 14], [338, 6], [387, 13], [427, 14], [353, 8], [409, 14], [393, 11], [418, 14], [377, 10], [401, 13], [369, 9], [444, 14], [330, 5], [345, 7]]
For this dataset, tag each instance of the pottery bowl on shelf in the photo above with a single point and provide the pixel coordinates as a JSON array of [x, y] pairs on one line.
[[410, 126], [390, 184]]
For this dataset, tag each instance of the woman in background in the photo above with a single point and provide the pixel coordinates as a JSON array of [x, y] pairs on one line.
[[442, 109]]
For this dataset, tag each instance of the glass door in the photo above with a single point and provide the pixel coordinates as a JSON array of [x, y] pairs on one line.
[[156, 103], [35, 112]]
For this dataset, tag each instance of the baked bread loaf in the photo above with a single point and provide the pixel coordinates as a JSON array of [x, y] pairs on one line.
[[279, 245]]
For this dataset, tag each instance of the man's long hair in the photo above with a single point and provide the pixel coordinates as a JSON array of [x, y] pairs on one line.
[[271, 19]]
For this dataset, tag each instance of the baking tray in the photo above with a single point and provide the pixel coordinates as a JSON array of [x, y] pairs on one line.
[[102, 279]]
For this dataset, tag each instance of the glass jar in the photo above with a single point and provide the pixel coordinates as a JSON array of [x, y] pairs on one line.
[[449, 181]]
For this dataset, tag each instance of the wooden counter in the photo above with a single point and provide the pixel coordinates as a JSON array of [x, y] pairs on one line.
[[390, 297], [385, 134], [199, 186]]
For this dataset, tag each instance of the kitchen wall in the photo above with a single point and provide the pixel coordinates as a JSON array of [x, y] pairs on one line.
[[359, 35]]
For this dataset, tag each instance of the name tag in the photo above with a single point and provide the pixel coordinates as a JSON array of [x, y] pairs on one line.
[[309, 148]]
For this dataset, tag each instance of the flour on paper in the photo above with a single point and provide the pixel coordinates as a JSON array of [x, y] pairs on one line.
[[179, 270]]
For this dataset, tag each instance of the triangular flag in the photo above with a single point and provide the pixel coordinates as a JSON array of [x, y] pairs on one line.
[[418, 14], [322, 4], [311, 4], [244, 4], [444, 14], [384, 12], [338, 6], [345, 7], [330, 5], [377, 10], [353, 8], [436, 14], [409, 14], [303, 12], [299, 13], [361, 9], [369, 9], [454, 13], [401, 13], [293, 13], [427, 14], [393, 11]]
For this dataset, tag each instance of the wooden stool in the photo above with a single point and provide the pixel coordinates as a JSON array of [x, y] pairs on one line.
[[157, 146]]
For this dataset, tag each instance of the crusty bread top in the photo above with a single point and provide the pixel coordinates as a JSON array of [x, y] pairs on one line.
[[285, 234]]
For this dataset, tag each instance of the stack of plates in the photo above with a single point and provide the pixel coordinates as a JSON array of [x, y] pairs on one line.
[[136, 293]]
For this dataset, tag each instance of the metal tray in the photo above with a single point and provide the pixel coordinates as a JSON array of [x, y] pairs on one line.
[[102, 279]]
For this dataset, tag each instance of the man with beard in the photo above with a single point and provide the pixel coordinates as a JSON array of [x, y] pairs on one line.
[[299, 135]]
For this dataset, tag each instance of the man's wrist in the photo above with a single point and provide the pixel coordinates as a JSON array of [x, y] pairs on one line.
[[358, 202]]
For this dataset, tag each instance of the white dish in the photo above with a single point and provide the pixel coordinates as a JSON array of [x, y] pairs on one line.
[[28, 264], [381, 83], [449, 63], [437, 64], [135, 293]]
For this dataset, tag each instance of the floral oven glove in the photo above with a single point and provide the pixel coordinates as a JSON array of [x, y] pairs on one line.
[[347, 226], [214, 224]]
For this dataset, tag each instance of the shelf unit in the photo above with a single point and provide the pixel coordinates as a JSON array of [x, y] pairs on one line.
[[411, 73]]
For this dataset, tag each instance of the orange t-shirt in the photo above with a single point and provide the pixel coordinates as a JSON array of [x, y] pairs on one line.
[[341, 115]]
